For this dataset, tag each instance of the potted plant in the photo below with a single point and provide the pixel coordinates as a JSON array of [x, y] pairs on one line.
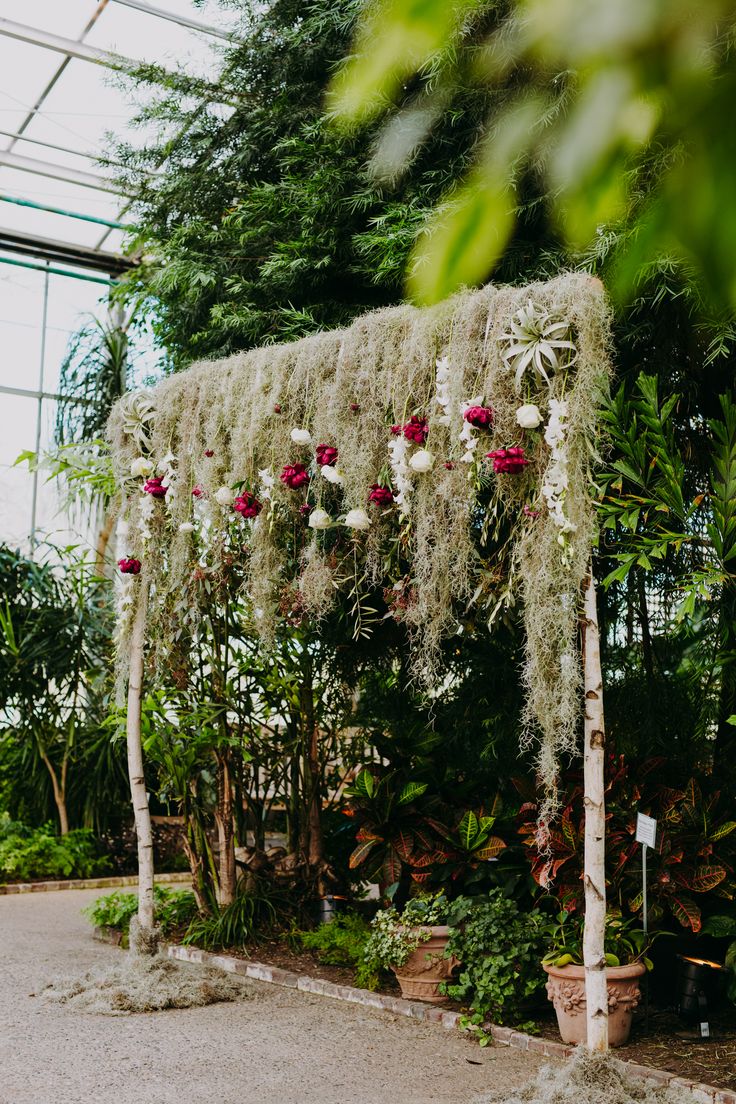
[[412, 944], [626, 957]]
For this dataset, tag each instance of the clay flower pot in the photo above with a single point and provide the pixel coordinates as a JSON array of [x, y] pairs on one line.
[[566, 990], [426, 967]]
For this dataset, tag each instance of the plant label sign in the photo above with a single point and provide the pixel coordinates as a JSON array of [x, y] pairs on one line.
[[646, 830]]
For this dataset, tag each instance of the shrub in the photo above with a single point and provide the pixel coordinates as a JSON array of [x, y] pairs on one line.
[[500, 951], [394, 936], [173, 909], [27, 854], [342, 942], [252, 912]]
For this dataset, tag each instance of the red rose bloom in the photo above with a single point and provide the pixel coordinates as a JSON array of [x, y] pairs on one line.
[[154, 486], [449, 465], [416, 429], [382, 496], [509, 461], [326, 456], [295, 476], [397, 430], [209, 452], [247, 505], [354, 407], [129, 565], [479, 416], [197, 491], [277, 408]]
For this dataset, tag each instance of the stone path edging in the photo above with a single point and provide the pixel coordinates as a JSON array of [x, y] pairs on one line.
[[89, 883], [506, 1036]]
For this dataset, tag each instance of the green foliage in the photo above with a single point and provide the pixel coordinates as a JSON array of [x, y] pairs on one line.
[[499, 949], [342, 942], [624, 943], [394, 936], [30, 854], [255, 908], [173, 909]]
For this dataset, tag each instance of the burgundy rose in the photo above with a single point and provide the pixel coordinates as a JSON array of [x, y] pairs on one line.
[[155, 487], [129, 565], [295, 476], [416, 429], [305, 510], [209, 452], [326, 456], [382, 496], [247, 505], [277, 408], [509, 461], [197, 491], [397, 430], [479, 416], [354, 407], [449, 465]]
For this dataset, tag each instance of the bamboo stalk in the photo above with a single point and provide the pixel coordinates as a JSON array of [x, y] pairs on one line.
[[136, 774], [594, 873]]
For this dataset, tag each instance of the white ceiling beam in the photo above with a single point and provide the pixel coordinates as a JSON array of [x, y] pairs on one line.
[[173, 17], [58, 172], [69, 46]]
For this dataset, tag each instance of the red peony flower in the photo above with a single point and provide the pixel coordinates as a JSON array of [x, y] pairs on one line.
[[129, 565], [510, 461], [397, 430], [154, 486], [209, 452], [416, 429], [247, 505], [295, 476], [354, 407], [326, 456], [479, 416], [449, 465], [197, 491], [382, 496]]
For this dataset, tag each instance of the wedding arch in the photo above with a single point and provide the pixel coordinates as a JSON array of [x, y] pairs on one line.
[[444, 455]]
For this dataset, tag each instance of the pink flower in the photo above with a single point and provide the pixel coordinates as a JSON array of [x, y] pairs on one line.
[[305, 510], [449, 465], [416, 429], [277, 408], [479, 416], [247, 505], [197, 491], [397, 430], [529, 511], [295, 476], [354, 407], [510, 461], [382, 496], [154, 486], [129, 565], [326, 456], [209, 452]]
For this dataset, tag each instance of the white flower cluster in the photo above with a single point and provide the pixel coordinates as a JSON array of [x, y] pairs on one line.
[[166, 468], [266, 477], [467, 438], [146, 508], [442, 391], [124, 585], [398, 449], [554, 487]]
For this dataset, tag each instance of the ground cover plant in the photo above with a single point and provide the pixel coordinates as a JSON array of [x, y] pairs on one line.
[[342, 942], [36, 854], [174, 910]]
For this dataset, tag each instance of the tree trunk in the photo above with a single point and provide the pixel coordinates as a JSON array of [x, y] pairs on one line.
[[594, 872], [135, 772], [225, 835], [59, 793]]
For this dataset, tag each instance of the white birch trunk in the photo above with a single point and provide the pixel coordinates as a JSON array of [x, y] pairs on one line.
[[594, 874], [136, 774]]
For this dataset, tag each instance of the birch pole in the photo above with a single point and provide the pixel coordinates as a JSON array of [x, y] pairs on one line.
[[594, 871], [136, 775]]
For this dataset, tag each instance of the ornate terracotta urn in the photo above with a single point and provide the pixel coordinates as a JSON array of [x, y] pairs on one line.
[[566, 990], [426, 967]]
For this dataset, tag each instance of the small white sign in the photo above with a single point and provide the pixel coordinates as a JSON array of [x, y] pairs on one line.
[[646, 830]]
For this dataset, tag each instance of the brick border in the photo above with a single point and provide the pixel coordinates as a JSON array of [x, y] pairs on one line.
[[506, 1036], [88, 883]]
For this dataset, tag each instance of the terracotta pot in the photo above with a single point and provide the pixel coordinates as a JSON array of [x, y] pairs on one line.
[[566, 990], [425, 968]]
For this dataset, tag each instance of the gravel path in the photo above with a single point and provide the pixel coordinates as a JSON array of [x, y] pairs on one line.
[[283, 1047]]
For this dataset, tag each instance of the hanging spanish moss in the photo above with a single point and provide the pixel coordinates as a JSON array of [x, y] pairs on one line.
[[429, 465]]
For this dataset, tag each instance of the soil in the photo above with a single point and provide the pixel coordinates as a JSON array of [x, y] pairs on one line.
[[664, 1044]]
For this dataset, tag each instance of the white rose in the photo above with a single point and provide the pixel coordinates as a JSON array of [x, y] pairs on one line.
[[141, 468], [528, 416], [421, 461], [357, 519], [319, 519], [332, 475], [186, 527], [225, 496], [301, 436]]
